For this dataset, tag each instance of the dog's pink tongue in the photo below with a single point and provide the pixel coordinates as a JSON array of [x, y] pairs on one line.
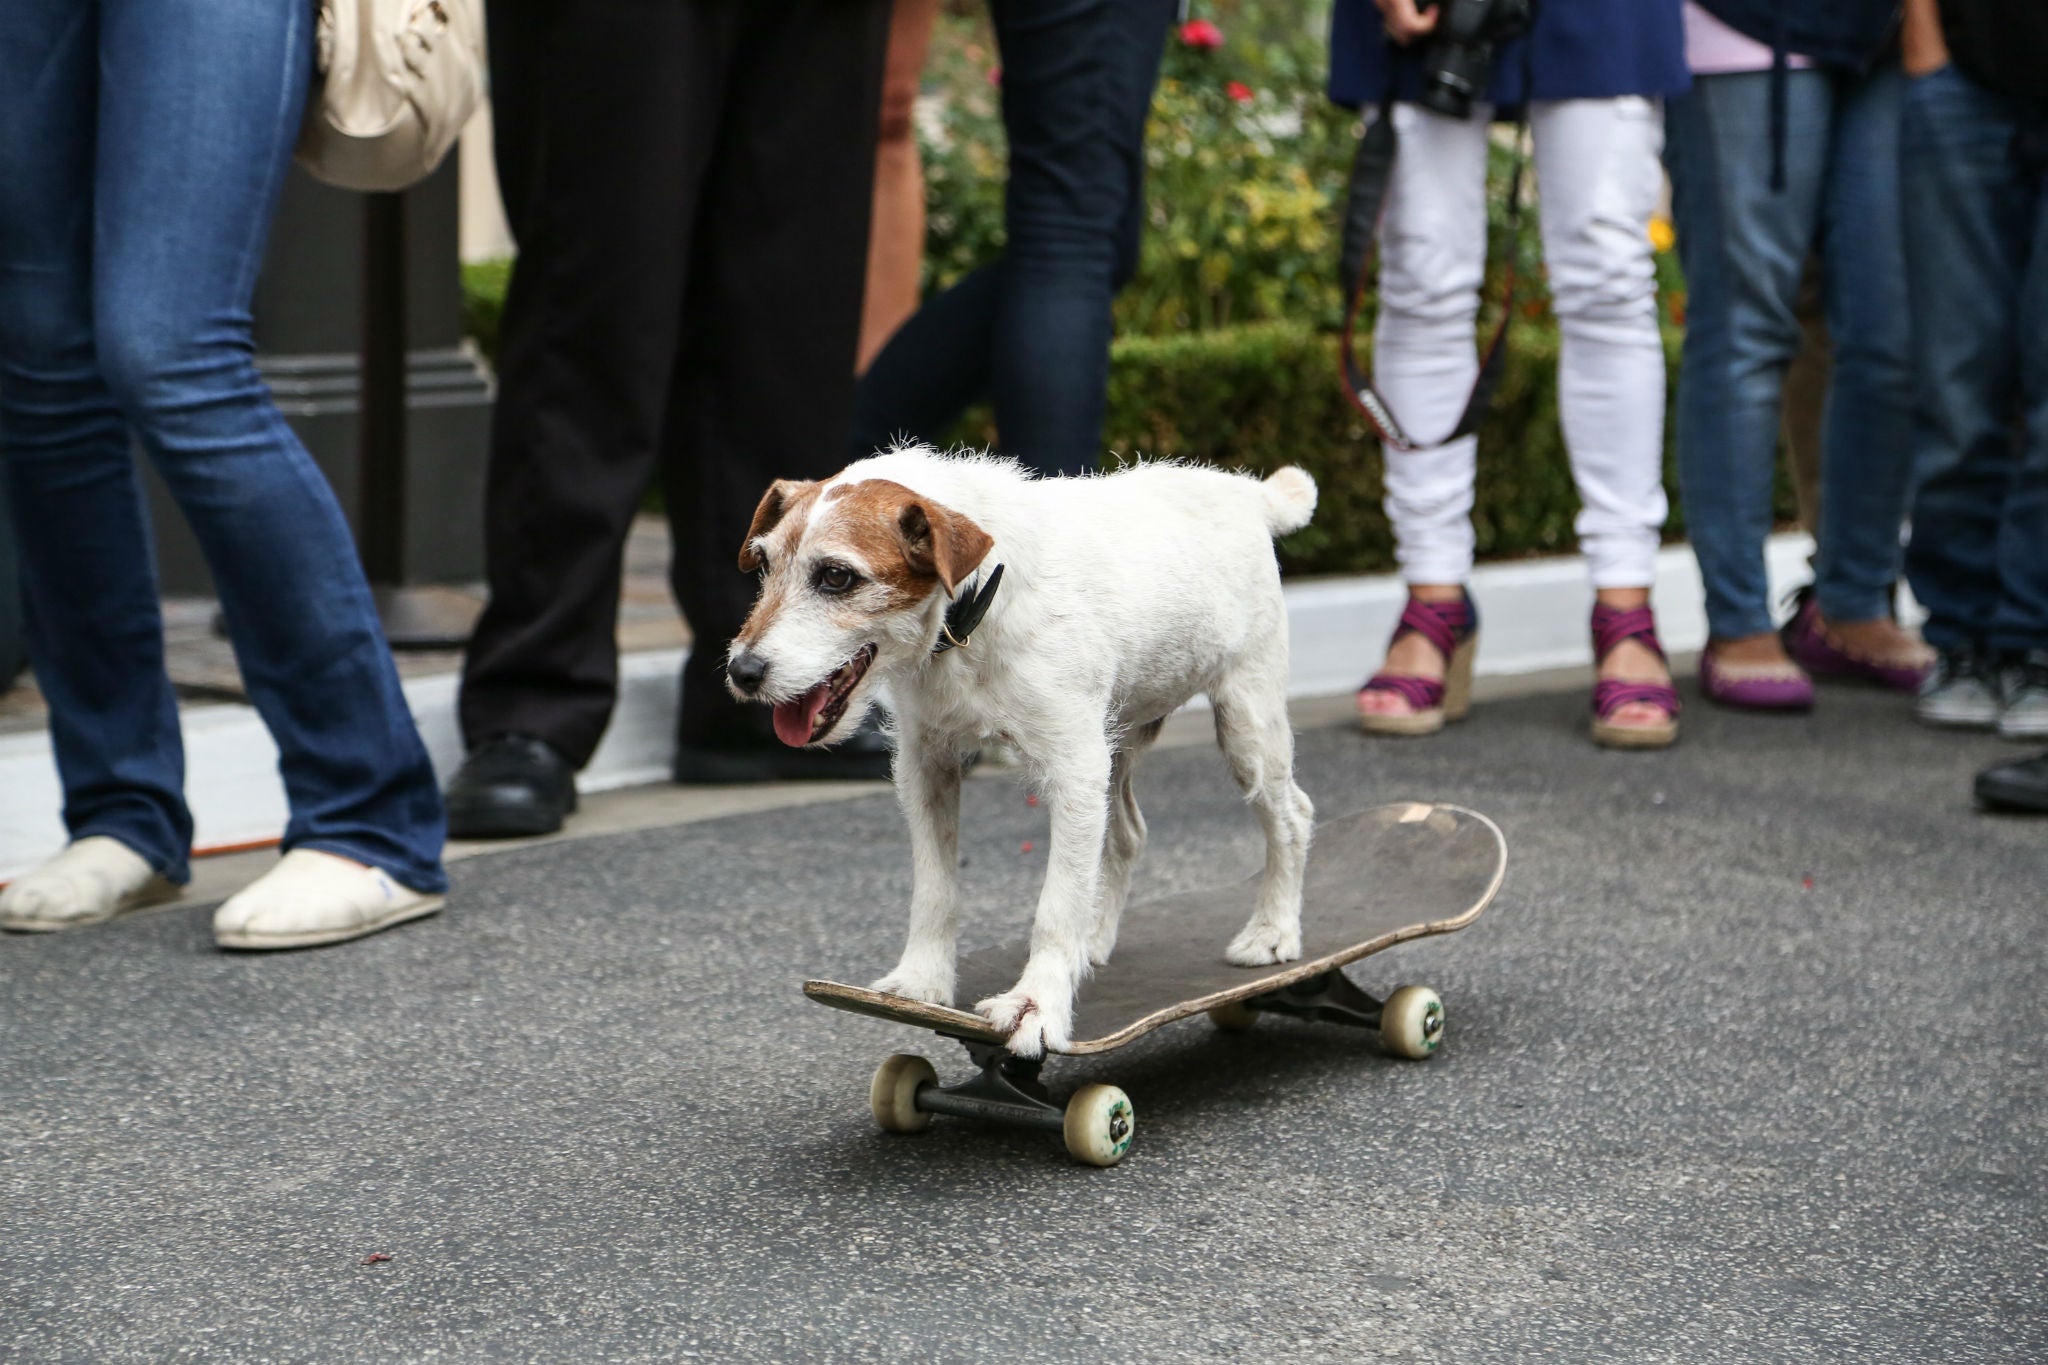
[[794, 719]]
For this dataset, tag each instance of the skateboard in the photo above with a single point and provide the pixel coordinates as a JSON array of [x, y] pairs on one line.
[[1375, 879]]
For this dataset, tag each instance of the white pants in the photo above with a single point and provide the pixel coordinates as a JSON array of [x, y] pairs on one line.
[[1598, 179]]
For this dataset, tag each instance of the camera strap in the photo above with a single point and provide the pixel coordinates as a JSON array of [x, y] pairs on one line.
[[1364, 200]]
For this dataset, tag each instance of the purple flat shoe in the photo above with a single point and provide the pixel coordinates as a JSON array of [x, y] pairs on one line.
[[1755, 687], [1807, 641]]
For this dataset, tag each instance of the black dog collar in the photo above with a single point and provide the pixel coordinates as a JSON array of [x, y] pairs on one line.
[[966, 613]]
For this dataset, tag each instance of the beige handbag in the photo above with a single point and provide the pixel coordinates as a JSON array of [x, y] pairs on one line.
[[398, 79]]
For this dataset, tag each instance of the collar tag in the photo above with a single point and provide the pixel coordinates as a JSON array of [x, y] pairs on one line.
[[966, 612]]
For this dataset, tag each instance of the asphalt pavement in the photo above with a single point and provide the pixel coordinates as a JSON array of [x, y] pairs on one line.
[[1745, 1064]]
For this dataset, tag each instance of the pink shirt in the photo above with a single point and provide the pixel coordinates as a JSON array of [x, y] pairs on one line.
[[1714, 49]]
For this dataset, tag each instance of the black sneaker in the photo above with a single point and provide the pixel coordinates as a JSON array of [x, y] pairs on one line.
[[509, 787], [2021, 785], [1961, 692]]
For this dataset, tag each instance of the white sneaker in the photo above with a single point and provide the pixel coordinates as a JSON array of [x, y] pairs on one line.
[[92, 880], [2024, 688], [1961, 692], [311, 898]]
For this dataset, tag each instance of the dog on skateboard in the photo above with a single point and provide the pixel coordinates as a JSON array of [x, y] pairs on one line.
[[1065, 617]]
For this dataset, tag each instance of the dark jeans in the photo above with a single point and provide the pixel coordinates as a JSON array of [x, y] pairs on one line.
[[141, 149], [1976, 199], [1031, 332], [689, 183], [1745, 246]]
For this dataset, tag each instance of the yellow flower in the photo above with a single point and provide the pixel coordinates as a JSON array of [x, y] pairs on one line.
[[1661, 235]]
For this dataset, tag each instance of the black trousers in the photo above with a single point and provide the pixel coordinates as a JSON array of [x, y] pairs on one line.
[[689, 183]]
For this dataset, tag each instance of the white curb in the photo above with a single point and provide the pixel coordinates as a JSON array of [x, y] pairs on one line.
[[1533, 613]]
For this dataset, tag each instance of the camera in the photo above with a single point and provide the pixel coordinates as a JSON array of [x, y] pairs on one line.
[[1457, 62]]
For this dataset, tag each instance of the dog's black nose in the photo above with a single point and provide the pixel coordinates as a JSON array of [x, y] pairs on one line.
[[747, 670]]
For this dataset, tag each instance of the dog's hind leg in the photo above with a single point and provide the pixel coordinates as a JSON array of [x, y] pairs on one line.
[[1258, 740], [1038, 1012], [1123, 844], [928, 786]]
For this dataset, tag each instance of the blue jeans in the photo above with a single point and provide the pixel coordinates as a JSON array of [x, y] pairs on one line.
[[1031, 332], [1976, 180], [1745, 246], [142, 144]]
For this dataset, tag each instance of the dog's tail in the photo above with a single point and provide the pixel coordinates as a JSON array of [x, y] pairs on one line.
[[1290, 497]]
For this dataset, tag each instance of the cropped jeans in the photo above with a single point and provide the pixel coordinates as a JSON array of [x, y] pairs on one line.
[[142, 146], [1031, 332], [1744, 245], [1976, 179]]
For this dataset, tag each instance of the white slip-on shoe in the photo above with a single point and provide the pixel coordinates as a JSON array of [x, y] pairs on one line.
[[92, 880], [311, 898]]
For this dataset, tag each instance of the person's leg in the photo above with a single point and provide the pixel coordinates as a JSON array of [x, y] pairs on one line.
[[1867, 463], [2020, 625], [1432, 250], [87, 578], [763, 383], [1077, 84], [935, 365], [192, 152], [896, 228], [587, 345], [1598, 173], [1744, 245], [1968, 220]]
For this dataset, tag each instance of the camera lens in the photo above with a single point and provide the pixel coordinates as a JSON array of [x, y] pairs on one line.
[[1446, 94]]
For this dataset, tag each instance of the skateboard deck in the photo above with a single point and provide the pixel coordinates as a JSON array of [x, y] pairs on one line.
[[1375, 879]]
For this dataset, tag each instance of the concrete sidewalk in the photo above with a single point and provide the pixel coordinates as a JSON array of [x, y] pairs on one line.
[[1746, 1064]]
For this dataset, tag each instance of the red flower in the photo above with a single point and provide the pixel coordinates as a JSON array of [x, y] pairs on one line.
[[995, 75], [1201, 35], [1239, 91]]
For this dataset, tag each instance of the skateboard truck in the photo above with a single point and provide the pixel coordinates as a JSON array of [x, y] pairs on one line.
[[1331, 998], [1409, 1023], [1005, 1090], [1096, 1123]]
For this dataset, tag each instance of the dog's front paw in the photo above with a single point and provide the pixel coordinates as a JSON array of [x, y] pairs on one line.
[[932, 986], [1034, 1026], [1261, 945]]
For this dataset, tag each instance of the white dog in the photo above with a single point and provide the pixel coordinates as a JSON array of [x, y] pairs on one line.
[[1086, 611]]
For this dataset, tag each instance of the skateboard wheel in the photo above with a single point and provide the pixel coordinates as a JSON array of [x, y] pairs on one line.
[[1234, 1017], [1412, 1022], [893, 1095], [1099, 1125]]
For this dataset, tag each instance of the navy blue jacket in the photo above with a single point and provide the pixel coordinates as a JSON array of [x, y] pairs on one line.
[[1582, 49], [1852, 33]]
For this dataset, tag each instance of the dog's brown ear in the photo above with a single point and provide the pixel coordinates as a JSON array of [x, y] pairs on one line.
[[938, 540], [782, 497]]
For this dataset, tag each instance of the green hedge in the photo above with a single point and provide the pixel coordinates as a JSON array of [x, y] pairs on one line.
[[1266, 395]]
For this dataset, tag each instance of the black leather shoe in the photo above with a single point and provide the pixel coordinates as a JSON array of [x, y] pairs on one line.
[[2021, 785], [510, 786], [747, 757]]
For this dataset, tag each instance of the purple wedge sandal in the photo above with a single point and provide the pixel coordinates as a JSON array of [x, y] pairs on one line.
[[1453, 627], [1611, 626]]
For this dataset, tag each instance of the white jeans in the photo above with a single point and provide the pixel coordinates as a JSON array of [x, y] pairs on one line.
[[1598, 178]]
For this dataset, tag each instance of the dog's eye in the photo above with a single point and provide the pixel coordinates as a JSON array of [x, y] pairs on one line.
[[835, 579]]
